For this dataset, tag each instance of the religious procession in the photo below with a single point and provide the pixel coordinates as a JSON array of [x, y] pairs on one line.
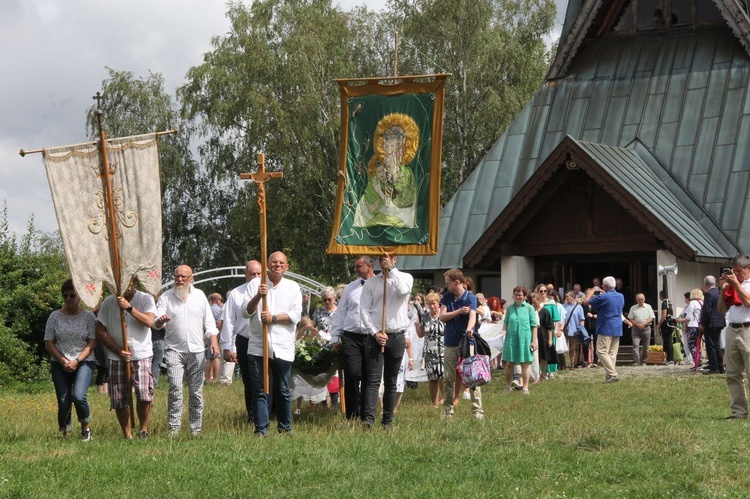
[[378, 334]]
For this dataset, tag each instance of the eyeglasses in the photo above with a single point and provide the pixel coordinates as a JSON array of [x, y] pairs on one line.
[[542, 291], [68, 295], [328, 300], [180, 276]]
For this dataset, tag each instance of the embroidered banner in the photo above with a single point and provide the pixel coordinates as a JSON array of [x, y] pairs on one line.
[[78, 195], [388, 195]]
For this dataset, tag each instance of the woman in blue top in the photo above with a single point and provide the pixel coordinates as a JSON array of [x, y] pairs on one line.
[[520, 338]]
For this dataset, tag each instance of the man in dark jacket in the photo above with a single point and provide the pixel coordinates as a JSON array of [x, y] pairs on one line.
[[711, 323]]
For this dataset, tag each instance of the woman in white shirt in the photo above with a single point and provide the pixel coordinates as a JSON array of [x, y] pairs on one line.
[[691, 318]]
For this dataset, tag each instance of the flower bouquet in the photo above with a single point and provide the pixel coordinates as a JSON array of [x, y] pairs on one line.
[[313, 356]]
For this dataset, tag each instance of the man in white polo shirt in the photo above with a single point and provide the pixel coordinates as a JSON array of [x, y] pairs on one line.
[[139, 318]]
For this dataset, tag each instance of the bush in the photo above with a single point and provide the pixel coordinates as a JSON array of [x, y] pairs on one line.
[[17, 362]]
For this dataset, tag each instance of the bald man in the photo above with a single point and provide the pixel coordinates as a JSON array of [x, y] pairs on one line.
[[284, 299], [235, 332], [188, 318]]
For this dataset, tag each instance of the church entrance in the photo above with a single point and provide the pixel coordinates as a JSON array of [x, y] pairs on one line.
[[637, 270]]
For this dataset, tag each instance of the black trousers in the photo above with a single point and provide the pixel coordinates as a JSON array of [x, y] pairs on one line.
[[353, 348], [383, 366], [712, 337]]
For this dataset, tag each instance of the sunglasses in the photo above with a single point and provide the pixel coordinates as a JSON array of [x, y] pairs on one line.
[[328, 299], [542, 291], [68, 295]]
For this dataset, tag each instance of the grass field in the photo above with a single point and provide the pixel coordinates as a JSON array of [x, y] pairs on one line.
[[660, 432]]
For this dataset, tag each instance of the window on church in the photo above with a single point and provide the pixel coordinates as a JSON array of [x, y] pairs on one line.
[[650, 15]]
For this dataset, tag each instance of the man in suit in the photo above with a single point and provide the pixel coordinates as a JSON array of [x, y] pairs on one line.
[[711, 323]]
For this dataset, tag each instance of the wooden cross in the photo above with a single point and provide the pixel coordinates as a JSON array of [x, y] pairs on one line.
[[260, 178], [98, 98]]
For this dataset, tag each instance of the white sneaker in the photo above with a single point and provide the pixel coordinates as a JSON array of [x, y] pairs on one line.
[[479, 416], [296, 412], [86, 435], [467, 396]]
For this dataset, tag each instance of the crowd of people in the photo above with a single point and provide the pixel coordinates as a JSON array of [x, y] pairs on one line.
[[378, 327]]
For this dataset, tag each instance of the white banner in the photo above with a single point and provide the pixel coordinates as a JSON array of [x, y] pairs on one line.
[[81, 208]]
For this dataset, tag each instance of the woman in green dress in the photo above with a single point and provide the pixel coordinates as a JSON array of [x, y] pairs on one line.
[[520, 338]]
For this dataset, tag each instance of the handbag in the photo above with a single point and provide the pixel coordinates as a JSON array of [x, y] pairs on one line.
[[561, 344], [676, 350], [473, 364]]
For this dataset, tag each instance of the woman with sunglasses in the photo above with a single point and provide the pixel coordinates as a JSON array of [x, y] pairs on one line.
[[324, 315], [69, 338]]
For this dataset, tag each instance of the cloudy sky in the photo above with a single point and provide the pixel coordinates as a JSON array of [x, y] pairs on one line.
[[53, 60]]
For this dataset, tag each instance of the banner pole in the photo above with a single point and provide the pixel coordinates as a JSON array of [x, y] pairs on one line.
[[114, 246]]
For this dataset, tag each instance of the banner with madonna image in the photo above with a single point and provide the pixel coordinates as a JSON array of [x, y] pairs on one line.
[[388, 197]]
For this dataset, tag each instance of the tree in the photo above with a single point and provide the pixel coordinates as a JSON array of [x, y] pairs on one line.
[[268, 86], [495, 51], [135, 106], [31, 273]]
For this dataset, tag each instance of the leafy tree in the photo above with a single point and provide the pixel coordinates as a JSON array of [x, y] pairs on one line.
[[495, 51], [268, 86], [135, 106], [32, 270]]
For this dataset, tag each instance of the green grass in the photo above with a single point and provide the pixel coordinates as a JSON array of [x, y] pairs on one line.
[[647, 436]]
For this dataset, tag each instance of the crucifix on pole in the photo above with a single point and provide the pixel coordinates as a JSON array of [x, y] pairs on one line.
[[260, 178]]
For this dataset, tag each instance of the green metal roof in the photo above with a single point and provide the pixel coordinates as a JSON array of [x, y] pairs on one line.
[[678, 101]]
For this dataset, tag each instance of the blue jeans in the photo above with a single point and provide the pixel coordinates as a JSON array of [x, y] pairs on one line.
[[281, 372], [70, 389]]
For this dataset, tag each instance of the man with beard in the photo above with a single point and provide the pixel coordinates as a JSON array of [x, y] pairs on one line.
[[187, 315], [349, 335], [284, 299], [138, 320], [235, 332]]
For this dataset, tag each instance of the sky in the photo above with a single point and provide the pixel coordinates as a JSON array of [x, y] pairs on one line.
[[53, 61]]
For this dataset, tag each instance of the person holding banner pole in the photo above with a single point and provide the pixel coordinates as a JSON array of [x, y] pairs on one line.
[[386, 340], [140, 309]]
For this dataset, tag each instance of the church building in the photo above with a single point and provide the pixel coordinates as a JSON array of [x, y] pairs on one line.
[[633, 154]]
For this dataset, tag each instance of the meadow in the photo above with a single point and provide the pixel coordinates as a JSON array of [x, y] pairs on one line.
[[659, 432]]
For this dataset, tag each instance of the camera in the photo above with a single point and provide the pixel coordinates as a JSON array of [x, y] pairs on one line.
[[726, 270]]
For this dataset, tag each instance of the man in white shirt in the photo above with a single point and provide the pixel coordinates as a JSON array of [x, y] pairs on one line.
[[284, 299], [139, 319], [386, 343], [349, 335], [640, 318], [236, 330], [187, 315], [735, 298]]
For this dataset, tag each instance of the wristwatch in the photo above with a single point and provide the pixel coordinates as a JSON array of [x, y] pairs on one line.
[[273, 319], [129, 309]]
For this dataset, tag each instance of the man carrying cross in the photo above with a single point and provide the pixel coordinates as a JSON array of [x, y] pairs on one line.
[[284, 312]]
